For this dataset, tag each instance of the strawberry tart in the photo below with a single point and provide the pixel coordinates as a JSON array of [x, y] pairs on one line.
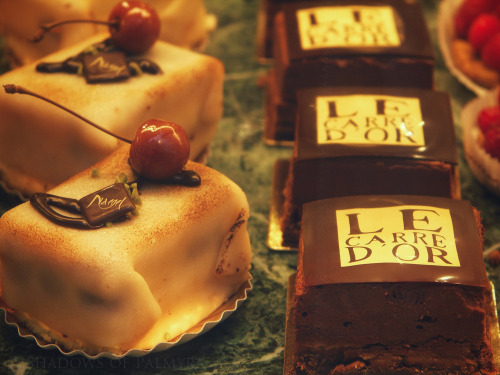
[[481, 137], [475, 44]]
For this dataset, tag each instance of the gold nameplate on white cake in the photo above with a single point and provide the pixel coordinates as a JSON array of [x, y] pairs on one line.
[[369, 120], [404, 234], [347, 26]]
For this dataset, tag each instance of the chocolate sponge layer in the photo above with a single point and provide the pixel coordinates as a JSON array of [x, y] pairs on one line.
[[350, 328]]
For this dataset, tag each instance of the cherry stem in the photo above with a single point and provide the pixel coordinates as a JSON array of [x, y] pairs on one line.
[[15, 89], [46, 28]]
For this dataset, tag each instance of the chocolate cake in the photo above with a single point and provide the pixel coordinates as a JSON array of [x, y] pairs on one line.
[[346, 43], [267, 11], [343, 42], [279, 115], [365, 141], [391, 285]]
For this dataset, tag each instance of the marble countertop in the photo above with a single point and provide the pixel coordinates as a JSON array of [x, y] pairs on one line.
[[251, 341]]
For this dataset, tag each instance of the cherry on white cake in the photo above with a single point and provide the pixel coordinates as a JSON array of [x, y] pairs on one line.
[[41, 145], [185, 25]]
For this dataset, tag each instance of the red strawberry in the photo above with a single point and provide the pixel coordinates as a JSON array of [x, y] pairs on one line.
[[489, 118], [492, 142], [482, 29], [468, 11], [490, 54]]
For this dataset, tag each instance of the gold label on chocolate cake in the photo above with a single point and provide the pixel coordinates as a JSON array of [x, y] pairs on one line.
[[370, 120], [348, 26], [401, 234]]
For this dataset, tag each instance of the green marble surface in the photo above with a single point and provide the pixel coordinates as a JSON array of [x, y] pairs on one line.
[[251, 341]]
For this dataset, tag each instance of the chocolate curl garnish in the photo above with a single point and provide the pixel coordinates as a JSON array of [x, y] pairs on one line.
[[15, 89], [48, 27]]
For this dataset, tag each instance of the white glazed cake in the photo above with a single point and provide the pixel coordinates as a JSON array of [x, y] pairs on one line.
[[183, 25], [42, 146], [138, 282]]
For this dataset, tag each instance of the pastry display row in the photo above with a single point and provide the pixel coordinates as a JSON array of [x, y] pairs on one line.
[[386, 47], [268, 186], [372, 198], [117, 235]]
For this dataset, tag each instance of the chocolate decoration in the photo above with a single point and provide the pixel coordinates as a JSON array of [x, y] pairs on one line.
[[106, 205], [68, 66], [145, 65], [93, 210], [43, 202], [105, 67], [101, 62], [321, 248], [410, 64], [185, 178]]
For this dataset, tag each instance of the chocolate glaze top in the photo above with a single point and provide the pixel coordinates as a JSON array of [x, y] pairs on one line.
[[102, 62], [323, 241], [438, 127], [410, 23]]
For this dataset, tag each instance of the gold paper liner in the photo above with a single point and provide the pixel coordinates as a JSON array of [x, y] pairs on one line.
[[270, 140], [492, 316], [445, 34], [494, 327], [275, 234], [485, 167], [216, 317], [289, 337]]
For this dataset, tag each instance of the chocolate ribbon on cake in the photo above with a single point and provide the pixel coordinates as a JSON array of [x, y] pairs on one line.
[[94, 210], [107, 205], [102, 62]]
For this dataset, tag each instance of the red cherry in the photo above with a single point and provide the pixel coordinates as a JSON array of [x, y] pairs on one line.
[[138, 26], [482, 29], [468, 11], [159, 150]]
